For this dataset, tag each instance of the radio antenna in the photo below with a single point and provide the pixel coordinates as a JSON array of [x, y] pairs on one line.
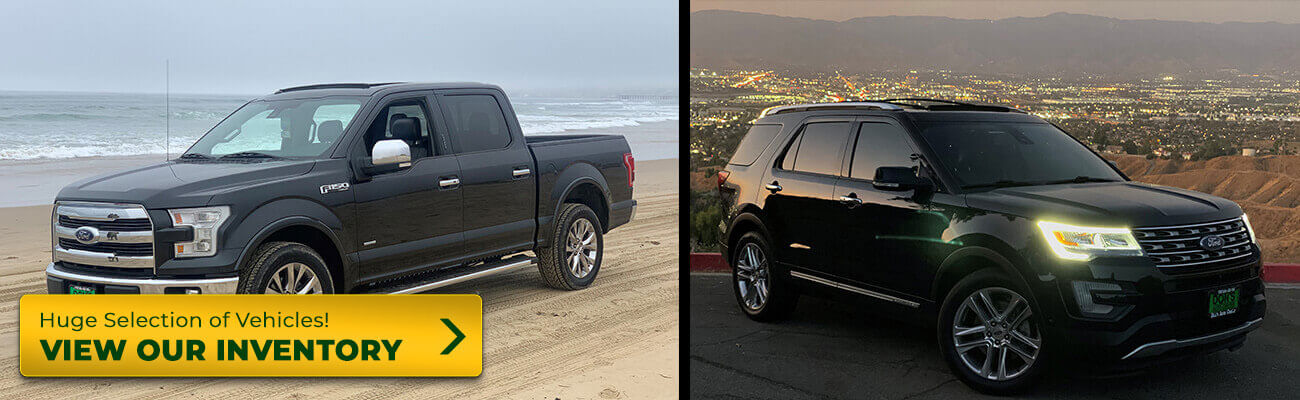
[[167, 100]]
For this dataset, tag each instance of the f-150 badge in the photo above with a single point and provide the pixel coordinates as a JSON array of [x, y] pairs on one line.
[[335, 187]]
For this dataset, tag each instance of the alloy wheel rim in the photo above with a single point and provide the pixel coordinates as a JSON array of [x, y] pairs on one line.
[[581, 247], [994, 335], [752, 276], [294, 278]]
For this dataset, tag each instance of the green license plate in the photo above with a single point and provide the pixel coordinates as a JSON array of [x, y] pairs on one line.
[[1223, 302], [79, 289]]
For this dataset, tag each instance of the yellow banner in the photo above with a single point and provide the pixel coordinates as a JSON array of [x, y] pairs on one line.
[[250, 335]]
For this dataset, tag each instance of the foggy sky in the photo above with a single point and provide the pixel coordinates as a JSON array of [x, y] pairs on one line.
[[1197, 11], [250, 47]]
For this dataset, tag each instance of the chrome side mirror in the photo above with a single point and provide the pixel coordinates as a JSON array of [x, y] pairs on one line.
[[391, 151]]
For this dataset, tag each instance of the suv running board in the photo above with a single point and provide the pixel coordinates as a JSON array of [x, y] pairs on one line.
[[433, 280]]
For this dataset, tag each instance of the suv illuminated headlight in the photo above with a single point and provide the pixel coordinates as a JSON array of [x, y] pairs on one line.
[[1083, 243], [204, 221], [1249, 230]]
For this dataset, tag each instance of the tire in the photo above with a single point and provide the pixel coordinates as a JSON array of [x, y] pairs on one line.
[[276, 263], [573, 266], [1008, 339], [763, 293]]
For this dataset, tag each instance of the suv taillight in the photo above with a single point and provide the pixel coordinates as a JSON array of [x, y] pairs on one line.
[[630, 164], [722, 178]]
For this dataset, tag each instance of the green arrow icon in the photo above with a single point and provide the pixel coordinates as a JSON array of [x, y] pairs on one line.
[[459, 336]]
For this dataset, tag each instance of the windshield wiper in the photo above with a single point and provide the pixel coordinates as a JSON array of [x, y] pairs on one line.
[[1000, 184], [247, 154], [194, 156], [1080, 179]]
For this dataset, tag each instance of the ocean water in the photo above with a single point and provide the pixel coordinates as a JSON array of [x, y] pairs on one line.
[[63, 125]]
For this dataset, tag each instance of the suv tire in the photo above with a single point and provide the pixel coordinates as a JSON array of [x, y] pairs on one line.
[[284, 268], [763, 292], [577, 247], [1000, 332]]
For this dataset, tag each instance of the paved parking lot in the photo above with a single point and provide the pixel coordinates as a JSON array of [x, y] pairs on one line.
[[832, 350]]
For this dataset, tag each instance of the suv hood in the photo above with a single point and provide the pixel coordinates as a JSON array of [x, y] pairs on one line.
[[1107, 204], [179, 184]]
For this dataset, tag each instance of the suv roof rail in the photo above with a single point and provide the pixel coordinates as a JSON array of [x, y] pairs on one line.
[[949, 105], [334, 86], [844, 105]]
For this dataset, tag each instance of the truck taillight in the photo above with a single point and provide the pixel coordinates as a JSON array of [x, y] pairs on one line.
[[722, 178], [630, 164]]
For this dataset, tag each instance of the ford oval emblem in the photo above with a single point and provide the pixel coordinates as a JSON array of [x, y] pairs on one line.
[[87, 234], [1212, 242]]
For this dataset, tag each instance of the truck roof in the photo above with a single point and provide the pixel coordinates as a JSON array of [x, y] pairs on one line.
[[368, 89]]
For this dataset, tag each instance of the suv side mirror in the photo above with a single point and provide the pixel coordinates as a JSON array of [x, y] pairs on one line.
[[387, 156], [900, 178]]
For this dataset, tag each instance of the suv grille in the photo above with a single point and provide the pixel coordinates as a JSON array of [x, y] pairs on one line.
[[1180, 246], [117, 236]]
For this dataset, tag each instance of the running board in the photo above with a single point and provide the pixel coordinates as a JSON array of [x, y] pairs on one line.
[[436, 279]]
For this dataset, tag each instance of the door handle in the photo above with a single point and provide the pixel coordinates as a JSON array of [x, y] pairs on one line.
[[774, 187], [851, 199], [449, 182], [522, 172]]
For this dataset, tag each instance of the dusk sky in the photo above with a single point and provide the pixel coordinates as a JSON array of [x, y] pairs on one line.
[[1198, 11], [253, 47]]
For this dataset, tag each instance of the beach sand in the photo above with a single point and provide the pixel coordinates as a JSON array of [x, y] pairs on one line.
[[615, 339]]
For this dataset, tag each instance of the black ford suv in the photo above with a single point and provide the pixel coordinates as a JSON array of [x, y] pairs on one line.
[[349, 188], [1023, 244]]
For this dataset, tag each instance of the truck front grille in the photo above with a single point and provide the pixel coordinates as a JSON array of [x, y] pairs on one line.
[[1181, 246], [113, 236]]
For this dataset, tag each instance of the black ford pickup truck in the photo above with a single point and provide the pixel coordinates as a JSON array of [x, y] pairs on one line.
[[349, 188], [1018, 242]]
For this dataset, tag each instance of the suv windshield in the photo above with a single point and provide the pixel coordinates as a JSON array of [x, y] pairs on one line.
[[302, 128], [1000, 154]]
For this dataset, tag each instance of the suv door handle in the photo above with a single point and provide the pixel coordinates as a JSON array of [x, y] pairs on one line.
[[774, 187], [449, 182], [522, 172], [851, 199]]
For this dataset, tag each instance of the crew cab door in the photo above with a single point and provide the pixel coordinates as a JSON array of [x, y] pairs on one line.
[[797, 193], [883, 235], [498, 178], [411, 218]]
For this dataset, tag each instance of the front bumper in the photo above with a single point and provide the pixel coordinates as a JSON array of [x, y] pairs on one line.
[[1160, 315], [58, 280]]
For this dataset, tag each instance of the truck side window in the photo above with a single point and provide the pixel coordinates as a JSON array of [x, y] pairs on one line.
[[381, 126], [879, 145], [819, 149], [477, 122]]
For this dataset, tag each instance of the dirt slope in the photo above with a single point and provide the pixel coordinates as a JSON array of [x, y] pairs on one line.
[[1267, 187]]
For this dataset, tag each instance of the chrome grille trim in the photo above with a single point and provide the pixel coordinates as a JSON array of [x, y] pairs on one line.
[[103, 215], [1179, 245]]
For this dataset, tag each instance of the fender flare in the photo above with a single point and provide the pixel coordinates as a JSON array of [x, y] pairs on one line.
[[992, 257], [576, 174], [743, 216], [301, 217]]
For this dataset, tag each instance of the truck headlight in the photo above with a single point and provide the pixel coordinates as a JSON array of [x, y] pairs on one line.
[[1249, 230], [1083, 242], [205, 221]]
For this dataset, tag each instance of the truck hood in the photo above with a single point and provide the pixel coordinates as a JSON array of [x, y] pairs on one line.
[[1107, 204], [179, 184]]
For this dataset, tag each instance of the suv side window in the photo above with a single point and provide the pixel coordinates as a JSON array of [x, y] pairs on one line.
[[753, 144], [381, 127], [477, 122], [879, 145], [819, 149]]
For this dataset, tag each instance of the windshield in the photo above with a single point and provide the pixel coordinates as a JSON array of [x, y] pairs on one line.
[[994, 154], [302, 128]]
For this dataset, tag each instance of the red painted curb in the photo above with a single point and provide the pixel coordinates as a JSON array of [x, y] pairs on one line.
[[1272, 273], [708, 262], [1281, 273]]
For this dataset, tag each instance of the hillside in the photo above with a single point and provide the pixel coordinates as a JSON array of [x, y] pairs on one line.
[[1267, 187], [1063, 43]]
